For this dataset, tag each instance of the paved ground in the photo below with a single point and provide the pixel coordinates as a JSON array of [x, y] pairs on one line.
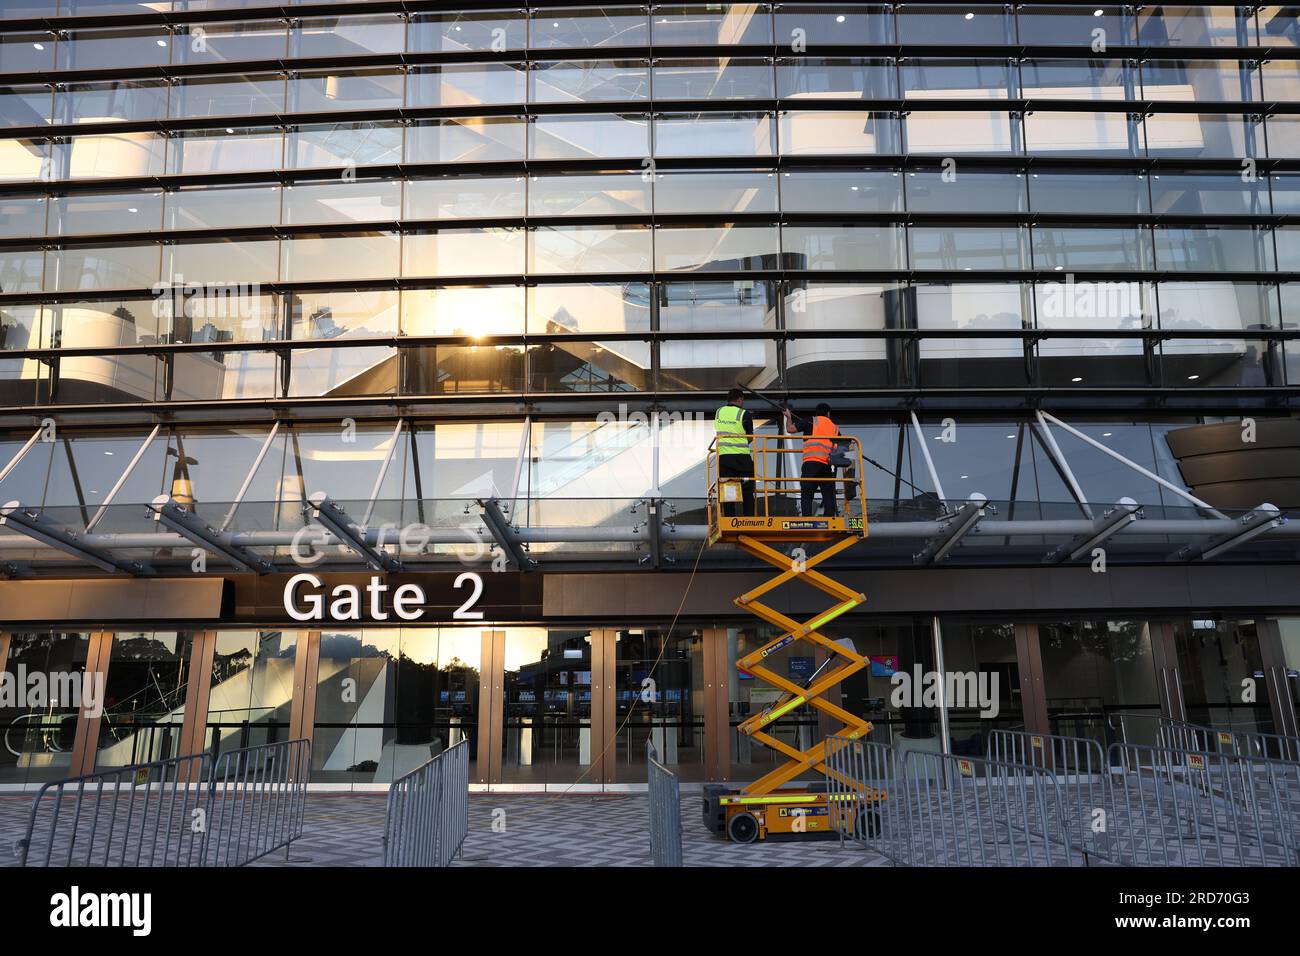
[[571, 830]]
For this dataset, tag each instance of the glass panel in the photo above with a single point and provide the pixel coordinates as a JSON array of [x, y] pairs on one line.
[[345, 144], [1215, 248], [82, 213], [730, 79], [204, 151], [855, 362], [589, 28], [126, 100], [102, 49], [207, 376], [956, 79], [673, 717], [252, 689], [1121, 248], [467, 84], [589, 308], [361, 90], [1072, 26], [1091, 668], [456, 31], [1196, 26], [371, 200], [717, 364], [969, 191], [464, 140], [690, 192], [122, 154], [1080, 80], [257, 40], [1215, 660], [148, 678], [589, 249], [585, 81], [834, 24], [216, 206], [476, 310], [834, 79], [25, 106], [1082, 192], [967, 131], [744, 306], [842, 246], [953, 25], [714, 134], [353, 740], [715, 248], [1192, 193], [447, 369], [1217, 305], [967, 247], [1192, 135], [348, 36], [1084, 134], [102, 267], [227, 262], [26, 52], [715, 24], [547, 712], [588, 136], [859, 190], [227, 96], [369, 256], [39, 735], [589, 367], [465, 197], [463, 252], [807, 133], [1204, 80], [597, 194]]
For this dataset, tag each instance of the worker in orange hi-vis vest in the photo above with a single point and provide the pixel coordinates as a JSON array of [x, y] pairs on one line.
[[819, 434]]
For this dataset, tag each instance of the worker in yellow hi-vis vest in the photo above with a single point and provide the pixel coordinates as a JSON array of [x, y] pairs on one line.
[[735, 455]]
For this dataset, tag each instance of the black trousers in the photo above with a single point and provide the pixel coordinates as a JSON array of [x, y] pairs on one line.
[[808, 488], [738, 466]]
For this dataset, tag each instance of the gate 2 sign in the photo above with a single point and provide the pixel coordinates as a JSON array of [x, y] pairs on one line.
[[305, 600]]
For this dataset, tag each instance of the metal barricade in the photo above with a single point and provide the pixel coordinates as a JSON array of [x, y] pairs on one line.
[[966, 811], [1179, 807], [866, 803], [1178, 735], [183, 811], [257, 801], [426, 819], [665, 801], [140, 815], [1079, 767]]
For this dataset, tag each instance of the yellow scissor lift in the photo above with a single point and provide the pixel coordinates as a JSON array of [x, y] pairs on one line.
[[763, 808]]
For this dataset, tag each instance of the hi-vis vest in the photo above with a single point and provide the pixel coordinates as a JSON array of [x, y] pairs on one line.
[[817, 446], [730, 427]]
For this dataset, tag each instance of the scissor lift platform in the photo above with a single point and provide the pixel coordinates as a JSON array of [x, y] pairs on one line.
[[766, 808]]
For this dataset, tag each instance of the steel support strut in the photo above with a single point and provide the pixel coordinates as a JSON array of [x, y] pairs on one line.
[[842, 664]]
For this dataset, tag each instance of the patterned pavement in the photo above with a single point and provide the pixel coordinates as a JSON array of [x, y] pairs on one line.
[[515, 830]]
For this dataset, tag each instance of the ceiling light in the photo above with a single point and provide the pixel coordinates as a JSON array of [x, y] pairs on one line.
[[1106, 434], [970, 16], [132, 209], [965, 476], [1077, 378], [39, 46], [162, 42], [1192, 378], [1096, 13], [230, 129], [109, 453], [840, 18], [1011, 436]]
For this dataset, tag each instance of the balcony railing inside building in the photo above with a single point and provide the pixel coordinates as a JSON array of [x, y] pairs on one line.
[[530, 495]]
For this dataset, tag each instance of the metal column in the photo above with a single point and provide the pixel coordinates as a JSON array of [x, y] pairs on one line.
[[1033, 690]]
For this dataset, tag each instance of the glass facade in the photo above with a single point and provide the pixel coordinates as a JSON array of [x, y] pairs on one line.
[[420, 260], [818, 115]]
